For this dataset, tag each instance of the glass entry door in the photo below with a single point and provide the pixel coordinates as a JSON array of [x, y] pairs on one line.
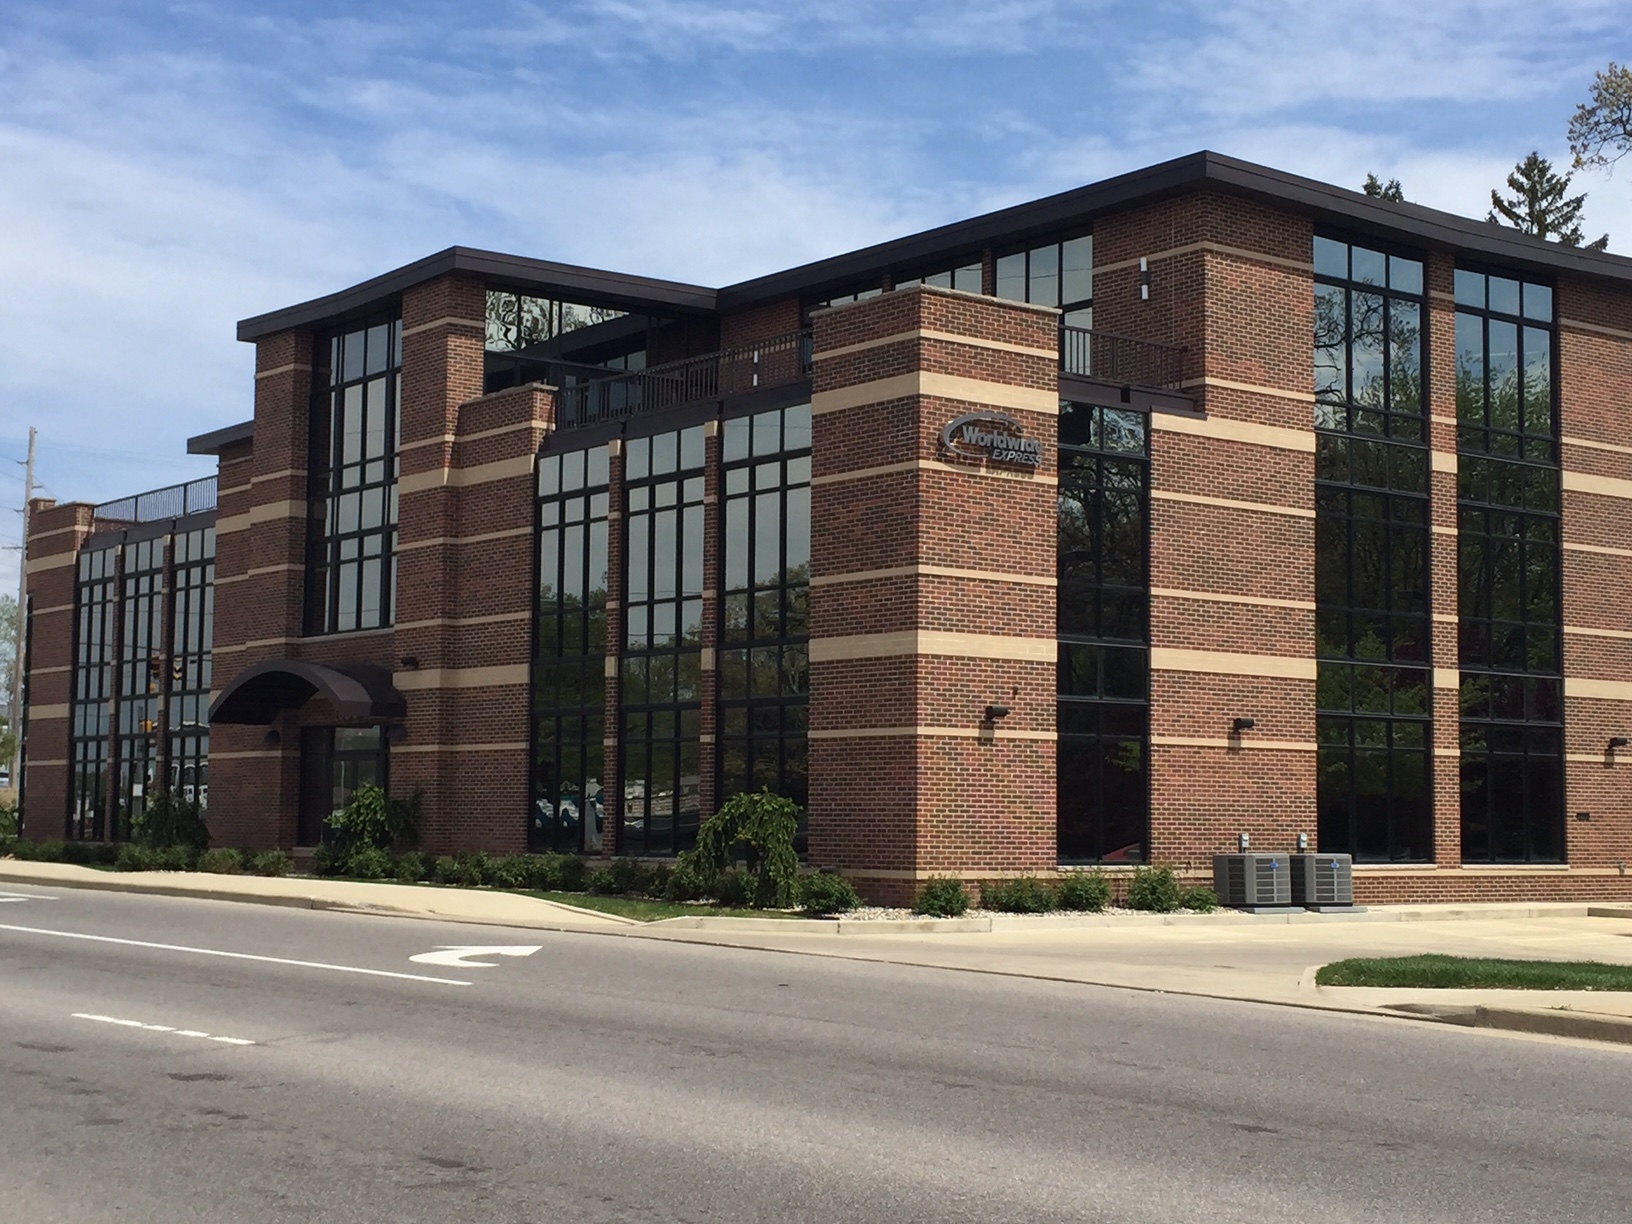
[[335, 762]]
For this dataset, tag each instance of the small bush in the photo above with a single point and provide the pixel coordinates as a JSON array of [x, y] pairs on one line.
[[1202, 900], [632, 875], [825, 892], [1087, 891], [221, 862], [511, 871], [1154, 889], [765, 825], [177, 858], [415, 865], [446, 870], [8, 823], [1024, 895], [942, 897], [136, 858], [40, 851], [167, 821], [327, 860], [371, 863], [603, 881], [565, 872], [270, 863], [684, 884], [735, 889], [472, 869], [657, 881], [374, 820]]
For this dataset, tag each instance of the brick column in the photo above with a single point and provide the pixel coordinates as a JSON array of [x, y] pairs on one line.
[[1232, 557], [612, 722], [708, 753], [51, 552], [932, 593], [1445, 596], [465, 576]]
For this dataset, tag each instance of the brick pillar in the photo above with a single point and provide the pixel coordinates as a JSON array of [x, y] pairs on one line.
[[51, 552], [932, 593], [1442, 563], [612, 740], [465, 576], [261, 528], [708, 754], [1232, 517]]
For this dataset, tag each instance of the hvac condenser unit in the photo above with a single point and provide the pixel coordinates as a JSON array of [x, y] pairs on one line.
[[1322, 880], [1251, 880]]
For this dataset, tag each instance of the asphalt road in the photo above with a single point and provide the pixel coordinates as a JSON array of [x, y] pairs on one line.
[[610, 1079]]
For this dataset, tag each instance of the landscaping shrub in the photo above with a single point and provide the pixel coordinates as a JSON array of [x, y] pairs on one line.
[[684, 884], [374, 820], [168, 820], [826, 892], [472, 868], [603, 881], [657, 881], [445, 870], [564, 872], [371, 863], [631, 875], [327, 860], [8, 823], [221, 862], [136, 858], [1202, 900], [764, 825], [734, 889], [177, 858], [415, 865], [1085, 891], [1023, 895], [270, 863], [511, 871], [1155, 889], [942, 897]]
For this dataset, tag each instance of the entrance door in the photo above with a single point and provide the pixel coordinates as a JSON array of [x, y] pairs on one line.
[[334, 763]]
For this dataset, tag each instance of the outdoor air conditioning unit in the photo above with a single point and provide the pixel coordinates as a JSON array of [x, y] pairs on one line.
[[1248, 881], [1320, 880]]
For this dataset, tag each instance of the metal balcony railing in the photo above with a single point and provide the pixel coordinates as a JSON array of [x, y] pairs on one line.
[[583, 398], [1121, 359], [172, 501]]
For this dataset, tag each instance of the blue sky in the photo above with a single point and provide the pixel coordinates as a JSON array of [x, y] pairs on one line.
[[168, 169]]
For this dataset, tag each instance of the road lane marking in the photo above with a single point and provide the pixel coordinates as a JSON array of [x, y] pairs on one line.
[[11, 896], [248, 956], [161, 1028], [455, 955]]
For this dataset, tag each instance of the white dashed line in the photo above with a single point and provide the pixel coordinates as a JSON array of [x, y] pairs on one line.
[[161, 1028]]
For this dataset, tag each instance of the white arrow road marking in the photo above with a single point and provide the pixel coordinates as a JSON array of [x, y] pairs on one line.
[[457, 956], [5, 897], [161, 1028]]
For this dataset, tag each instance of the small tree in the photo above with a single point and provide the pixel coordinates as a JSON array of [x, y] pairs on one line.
[[1601, 128], [375, 821], [1391, 190], [763, 822], [1540, 204], [167, 821]]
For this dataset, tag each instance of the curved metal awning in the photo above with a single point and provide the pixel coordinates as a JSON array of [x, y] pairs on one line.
[[357, 691]]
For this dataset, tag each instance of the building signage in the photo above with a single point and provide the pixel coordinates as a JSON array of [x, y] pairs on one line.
[[994, 437]]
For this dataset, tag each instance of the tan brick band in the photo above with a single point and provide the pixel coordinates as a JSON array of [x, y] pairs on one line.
[[1223, 663], [1603, 486], [445, 321], [289, 368], [1247, 743], [1212, 248], [458, 478], [938, 386], [926, 333], [935, 465], [1225, 503], [849, 733], [1256, 601], [1230, 384], [439, 541], [927, 642], [1219, 429], [506, 746], [1599, 690], [937, 571], [463, 677]]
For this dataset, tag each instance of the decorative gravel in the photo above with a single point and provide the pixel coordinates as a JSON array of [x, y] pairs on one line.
[[877, 913]]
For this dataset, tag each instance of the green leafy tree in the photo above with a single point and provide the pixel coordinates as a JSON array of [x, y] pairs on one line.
[[1391, 190], [1541, 204], [1601, 128], [763, 824]]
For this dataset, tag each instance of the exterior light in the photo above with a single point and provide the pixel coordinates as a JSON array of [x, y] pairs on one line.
[[271, 739], [995, 712], [396, 733], [1144, 279], [1242, 724], [1618, 741], [1303, 841], [410, 662], [1242, 841]]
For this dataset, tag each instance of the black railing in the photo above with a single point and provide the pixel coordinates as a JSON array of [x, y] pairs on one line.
[[584, 398], [172, 501], [1120, 359]]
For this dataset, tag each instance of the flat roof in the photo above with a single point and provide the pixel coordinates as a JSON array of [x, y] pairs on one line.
[[1339, 207], [217, 440]]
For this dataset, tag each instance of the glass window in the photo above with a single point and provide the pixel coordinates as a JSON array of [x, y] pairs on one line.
[[569, 657], [94, 649], [1104, 655], [1371, 556], [193, 625], [352, 576], [764, 689], [1508, 571]]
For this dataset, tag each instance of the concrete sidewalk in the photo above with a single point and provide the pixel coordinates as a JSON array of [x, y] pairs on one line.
[[1225, 955]]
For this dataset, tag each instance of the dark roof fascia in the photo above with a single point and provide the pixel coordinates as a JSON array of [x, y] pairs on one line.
[[217, 440], [615, 289], [1335, 206]]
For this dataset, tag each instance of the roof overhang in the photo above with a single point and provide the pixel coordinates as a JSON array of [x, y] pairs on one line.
[[357, 691], [217, 440], [592, 286]]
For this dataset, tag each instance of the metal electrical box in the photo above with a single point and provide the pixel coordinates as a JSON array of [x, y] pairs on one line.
[[1251, 880], [1322, 880]]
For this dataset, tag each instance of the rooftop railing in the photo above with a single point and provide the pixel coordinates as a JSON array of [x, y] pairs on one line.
[[584, 400], [172, 501], [1120, 359]]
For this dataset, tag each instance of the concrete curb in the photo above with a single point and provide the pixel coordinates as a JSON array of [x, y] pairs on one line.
[[1550, 1022]]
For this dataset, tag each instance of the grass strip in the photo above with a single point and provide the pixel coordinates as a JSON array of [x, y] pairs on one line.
[[1475, 973], [644, 910]]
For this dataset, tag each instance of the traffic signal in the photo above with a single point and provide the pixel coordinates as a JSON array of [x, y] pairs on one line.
[[178, 669], [155, 671]]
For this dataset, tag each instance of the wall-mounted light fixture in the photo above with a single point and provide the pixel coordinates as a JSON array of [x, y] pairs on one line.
[[271, 739], [995, 712], [1144, 279], [1242, 841], [1303, 842], [410, 662], [1242, 724], [1618, 741], [396, 733]]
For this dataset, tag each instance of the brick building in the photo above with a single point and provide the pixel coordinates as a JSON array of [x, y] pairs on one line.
[[1200, 502]]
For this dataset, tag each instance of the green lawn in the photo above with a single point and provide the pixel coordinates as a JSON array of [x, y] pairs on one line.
[[1466, 972], [650, 911]]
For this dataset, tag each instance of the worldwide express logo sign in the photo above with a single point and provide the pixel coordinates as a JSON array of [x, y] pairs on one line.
[[990, 437]]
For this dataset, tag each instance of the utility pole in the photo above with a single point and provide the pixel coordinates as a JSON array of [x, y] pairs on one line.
[[16, 708]]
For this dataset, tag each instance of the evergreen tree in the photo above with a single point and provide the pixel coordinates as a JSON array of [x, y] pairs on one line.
[[1540, 204], [1391, 190]]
